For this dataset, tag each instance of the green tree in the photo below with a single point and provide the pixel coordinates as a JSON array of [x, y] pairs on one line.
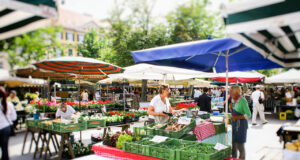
[[33, 46], [91, 45], [193, 21]]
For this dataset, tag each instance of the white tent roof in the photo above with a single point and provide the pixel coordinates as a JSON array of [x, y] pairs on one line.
[[291, 76], [11, 81], [155, 72]]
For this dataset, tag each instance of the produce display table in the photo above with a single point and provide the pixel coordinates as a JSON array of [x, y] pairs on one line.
[[118, 154], [282, 108], [204, 130], [29, 130], [223, 138]]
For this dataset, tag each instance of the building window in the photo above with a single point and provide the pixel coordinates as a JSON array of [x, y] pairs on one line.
[[59, 36], [70, 36], [80, 38], [58, 52], [70, 52]]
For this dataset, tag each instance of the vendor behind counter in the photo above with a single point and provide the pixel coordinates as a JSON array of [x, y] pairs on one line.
[[65, 111]]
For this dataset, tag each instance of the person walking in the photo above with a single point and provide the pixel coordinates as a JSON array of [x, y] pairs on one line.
[[258, 105], [7, 115], [240, 113]]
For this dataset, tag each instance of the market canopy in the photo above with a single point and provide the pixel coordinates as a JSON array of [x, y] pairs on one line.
[[270, 27], [290, 76], [155, 72], [10, 81], [239, 77], [20, 16], [205, 55]]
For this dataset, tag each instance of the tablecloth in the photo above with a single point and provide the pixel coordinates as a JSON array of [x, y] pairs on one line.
[[204, 130], [118, 154]]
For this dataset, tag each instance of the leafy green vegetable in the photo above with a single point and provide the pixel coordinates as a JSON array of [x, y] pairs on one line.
[[123, 138]]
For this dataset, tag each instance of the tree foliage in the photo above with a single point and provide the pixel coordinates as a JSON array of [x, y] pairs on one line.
[[33, 46]]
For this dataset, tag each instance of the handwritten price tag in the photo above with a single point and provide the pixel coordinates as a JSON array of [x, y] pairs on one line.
[[159, 139], [184, 120]]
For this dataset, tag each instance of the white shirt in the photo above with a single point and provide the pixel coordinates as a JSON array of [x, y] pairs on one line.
[[159, 107], [85, 96], [255, 96], [65, 115], [197, 94], [11, 115]]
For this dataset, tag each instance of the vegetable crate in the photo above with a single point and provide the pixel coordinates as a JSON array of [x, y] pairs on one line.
[[32, 122], [168, 150], [139, 147], [47, 126], [219, 127], [203, 151], [71, 127], [204, 116], [178, 134], [96, 123], [148, 130], [189, 137]]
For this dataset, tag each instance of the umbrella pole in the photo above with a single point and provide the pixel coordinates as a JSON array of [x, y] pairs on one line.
[[226, 106], [124, 94], [79, 91]]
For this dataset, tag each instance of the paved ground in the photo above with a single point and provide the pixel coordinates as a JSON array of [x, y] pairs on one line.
[[262, 142]]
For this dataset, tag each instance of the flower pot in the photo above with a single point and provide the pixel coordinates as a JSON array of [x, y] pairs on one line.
[[36, 116]]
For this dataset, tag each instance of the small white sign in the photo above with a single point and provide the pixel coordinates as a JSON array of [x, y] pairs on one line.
[[184, 120], [159, 139], [220, 146]]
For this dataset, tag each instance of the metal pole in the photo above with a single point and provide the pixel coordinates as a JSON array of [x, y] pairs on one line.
[[226, 106], [124, 96]]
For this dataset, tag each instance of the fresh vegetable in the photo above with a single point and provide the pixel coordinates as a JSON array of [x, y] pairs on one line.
[[175, 127], [123, 138], [201, 148]]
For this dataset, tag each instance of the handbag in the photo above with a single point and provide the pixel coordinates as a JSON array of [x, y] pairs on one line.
[[260, 101]]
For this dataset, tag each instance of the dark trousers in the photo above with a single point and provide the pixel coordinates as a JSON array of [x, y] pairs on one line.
[[238, 147], [4, 136]]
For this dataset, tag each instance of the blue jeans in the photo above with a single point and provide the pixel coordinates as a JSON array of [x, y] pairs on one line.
[[4, 136]]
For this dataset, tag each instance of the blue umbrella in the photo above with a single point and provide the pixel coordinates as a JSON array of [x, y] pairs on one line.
[[208, 56]]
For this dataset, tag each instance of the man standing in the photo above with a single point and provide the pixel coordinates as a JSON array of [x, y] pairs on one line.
[[204, 101], [258, 106]]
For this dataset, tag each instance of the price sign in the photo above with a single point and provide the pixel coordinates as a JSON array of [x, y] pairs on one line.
[[159, 139], [184, 120], [220, 146]]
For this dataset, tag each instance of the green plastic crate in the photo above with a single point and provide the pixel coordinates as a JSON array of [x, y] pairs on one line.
[[188, 154], [96, 123], [71, 127], [189, 137], [219, 127], [167, 150], [148, 131], [137, 147], [32, 122], [178, 134], [204, 116]]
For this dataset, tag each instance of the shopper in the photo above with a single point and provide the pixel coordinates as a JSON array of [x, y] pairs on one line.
[[240, 113], [258, 105], [204, 101], [7, 115], [65, 111], [17, 106]]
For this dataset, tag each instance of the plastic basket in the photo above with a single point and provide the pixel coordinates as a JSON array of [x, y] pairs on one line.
[[71, 127], [138, 147], [96, 123], [189, 137], [204, 116], [32, 122], [219, 127], [168, 149], [282, 115], [148, 130], [189, 154], [178, 134]]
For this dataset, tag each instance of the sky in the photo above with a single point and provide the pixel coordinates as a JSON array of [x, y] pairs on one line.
[[100, 9]]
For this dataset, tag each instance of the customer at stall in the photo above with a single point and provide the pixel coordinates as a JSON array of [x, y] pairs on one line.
[[7, 115], [160, 105], [204, 101], [65, 111], [258, 106], [240, 113], [85, 95], [17, 105]]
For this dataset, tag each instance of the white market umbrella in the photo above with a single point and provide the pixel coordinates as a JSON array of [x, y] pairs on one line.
[[291, 76]]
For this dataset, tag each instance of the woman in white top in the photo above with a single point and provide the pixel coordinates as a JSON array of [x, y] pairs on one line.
[[85, 96], [7, 115], [65, 111], [159, 104]]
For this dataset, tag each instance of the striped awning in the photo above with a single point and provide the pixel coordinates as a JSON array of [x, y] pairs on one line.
[[21, 16], [79, 66], [271, 27]]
